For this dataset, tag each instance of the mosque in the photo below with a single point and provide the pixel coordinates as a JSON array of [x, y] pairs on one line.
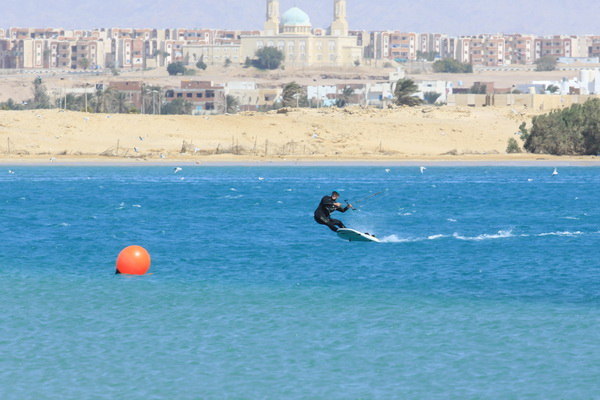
[[303, 46]]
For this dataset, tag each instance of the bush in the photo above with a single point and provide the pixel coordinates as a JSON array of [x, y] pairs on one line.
[[546, 63], [201, 64], [513, 146], [431, 97], [452, 66], [176, 68], [572, 131], [268, 58]]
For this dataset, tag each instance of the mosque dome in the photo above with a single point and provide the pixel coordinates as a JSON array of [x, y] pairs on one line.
[[295, 17]]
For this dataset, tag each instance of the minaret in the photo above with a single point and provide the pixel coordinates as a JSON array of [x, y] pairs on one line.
[[339, 26], [272, 23]]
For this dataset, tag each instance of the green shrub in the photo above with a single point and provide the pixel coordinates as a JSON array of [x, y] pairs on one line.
[[513, 146], [572, 131]]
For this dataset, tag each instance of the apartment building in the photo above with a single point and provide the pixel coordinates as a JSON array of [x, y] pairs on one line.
[[556, 46], [593, 46], [481, 50], [520, 49], [204, 95], [403, 46]]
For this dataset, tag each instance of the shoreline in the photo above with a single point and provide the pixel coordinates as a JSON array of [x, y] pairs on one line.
[[514, 160]]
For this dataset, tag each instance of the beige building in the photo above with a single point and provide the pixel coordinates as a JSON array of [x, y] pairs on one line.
[[302, 46]]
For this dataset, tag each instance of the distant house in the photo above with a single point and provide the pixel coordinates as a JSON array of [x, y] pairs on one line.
[[206, 97]]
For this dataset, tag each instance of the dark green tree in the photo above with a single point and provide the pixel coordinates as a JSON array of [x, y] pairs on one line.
[[572, 131], [450, 65], [513, 146], [478, 88], [268, 58], [546, 63], [404, 93], [201, 64], [176, 68]]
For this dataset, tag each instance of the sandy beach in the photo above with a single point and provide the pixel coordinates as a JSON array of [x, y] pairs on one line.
[[351, 135]]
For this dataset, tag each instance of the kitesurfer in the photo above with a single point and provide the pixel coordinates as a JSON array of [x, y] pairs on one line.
[[326, 207]]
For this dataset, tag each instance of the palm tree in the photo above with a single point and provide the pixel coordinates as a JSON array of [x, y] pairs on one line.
[[232, 104], [292, 93], [151, 99], [96, 100], [346, 95], [121, 102], [404, 93]]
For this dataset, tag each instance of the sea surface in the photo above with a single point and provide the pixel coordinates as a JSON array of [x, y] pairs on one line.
[[486, 284]]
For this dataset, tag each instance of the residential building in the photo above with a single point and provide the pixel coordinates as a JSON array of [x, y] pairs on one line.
[[520, 49], [482, 50], [204, 95], [556, 46]]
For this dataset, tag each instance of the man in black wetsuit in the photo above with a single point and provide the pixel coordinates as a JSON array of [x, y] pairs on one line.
[[326, 207]]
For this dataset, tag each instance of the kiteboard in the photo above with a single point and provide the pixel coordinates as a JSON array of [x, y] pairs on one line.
[[352, 235]]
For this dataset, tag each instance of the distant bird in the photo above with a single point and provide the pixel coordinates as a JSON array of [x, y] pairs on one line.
[[86, 119], [196, 149], [52, 159], [422, 169], [260, 178], [162, 156], [555, 172], [387, 170], [136, 149], [141, 138], [176, 170], [10, 171]]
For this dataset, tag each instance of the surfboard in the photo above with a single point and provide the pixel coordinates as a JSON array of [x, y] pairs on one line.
[[352, 235]]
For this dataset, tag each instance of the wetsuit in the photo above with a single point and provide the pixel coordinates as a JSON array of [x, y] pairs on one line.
[[323, 214]]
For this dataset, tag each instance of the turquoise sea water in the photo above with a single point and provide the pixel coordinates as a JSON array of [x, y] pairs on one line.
[[486, 285]]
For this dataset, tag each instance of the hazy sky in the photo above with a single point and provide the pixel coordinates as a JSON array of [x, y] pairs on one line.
[[454, 17]]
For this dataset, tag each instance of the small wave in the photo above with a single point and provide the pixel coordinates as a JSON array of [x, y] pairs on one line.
[[485, 236], [574, 218], [566, 233], [451, 220], [396, 239]]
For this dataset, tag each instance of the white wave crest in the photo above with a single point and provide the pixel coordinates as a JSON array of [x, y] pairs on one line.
[[397, 239], [566, 233], [485, 236]]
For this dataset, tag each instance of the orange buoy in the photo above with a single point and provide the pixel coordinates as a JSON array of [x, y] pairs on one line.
[[133, 260]]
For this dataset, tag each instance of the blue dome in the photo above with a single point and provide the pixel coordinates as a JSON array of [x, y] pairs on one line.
[[295, 17]]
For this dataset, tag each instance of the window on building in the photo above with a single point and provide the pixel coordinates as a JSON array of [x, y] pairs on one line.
[[199, 95]]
